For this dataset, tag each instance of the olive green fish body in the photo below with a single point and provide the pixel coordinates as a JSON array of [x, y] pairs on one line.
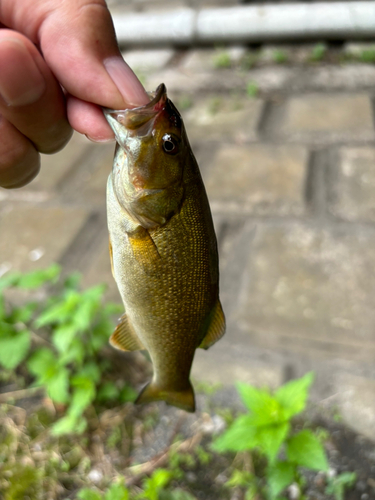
[[165, 262]]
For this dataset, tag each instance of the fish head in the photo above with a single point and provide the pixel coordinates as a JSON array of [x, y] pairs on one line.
[[150, 154]]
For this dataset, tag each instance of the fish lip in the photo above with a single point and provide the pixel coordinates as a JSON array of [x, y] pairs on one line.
[[150, 106]]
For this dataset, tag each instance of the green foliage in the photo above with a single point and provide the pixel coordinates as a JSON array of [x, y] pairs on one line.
[[75, 325], [279, 56], [338, 484], [252, 89], [368, 55], [222, 60], [267, 428], [318, 52]]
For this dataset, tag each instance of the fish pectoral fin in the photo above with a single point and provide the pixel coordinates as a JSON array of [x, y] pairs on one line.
[[144, 249], [181, 399], [124, 337], [216, 327], [111, 257]]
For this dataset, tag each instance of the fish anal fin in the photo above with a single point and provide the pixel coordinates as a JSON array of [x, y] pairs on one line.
[[216, 327], [124, 338], [144, 249], [181, 399]]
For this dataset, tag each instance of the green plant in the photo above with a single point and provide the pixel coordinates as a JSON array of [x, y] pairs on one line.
[[368, 55], [115, 492], [279, 56], [74, 326], [318, 52], [338, 484], [252, 89], [222, 60], [267, 430]]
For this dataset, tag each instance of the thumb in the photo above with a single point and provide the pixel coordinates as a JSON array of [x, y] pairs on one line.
[[78, 42]]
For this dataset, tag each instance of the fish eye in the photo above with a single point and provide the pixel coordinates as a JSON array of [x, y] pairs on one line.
[[170, 144]]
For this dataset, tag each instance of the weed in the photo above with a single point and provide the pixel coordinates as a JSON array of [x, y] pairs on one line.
[[279, 56], [214, 105], [222, 60], [267, 430], [184, 102], [338, 484], [252, 89], [318, 52], [75, 325], [368, 56]]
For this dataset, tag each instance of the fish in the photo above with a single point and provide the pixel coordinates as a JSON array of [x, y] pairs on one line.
[[163, 248]]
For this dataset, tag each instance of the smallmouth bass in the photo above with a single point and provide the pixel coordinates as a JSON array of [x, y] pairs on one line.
[[163, 247]]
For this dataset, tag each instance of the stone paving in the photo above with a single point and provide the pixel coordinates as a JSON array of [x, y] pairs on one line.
[[287, 153]]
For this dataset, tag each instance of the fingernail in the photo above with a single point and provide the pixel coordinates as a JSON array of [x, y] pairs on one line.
[[127, 83], [21, 82], [102, 140]]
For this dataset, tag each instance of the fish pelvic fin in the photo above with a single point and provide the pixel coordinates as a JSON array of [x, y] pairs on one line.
[[124, 338], [181, 399], [216, 326]]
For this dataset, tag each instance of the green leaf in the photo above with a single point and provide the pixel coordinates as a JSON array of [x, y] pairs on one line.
[[108, 392], [239, 437], [42, 362], [83, 394], [69, 425], [292, 396], [89, 494], [337, 485], [63, 337], [117, 492], [160, 478], [239, 478], [61, 311], [127, 394], [8, 280], [23, 314], [305, 449], [35, 279], [271, 437], [58, 385], [279, 476], [13, 348], [265, 409]]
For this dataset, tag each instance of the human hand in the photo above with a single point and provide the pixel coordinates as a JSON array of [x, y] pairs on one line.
[[78, 51]]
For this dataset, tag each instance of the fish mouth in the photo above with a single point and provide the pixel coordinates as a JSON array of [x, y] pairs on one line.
[[135, 120]]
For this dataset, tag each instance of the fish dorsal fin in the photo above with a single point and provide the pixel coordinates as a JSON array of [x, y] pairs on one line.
[[124, 337], [144, 249], [216, 327]]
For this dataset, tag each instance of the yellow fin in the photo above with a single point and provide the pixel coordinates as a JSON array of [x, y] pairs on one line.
[[124, 338], [111, 257], [144, 249], [216, 327], [181, 399]]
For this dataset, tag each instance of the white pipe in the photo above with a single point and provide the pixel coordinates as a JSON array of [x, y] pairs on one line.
[[255, 23]]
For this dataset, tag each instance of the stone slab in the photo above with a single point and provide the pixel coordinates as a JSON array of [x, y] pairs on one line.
[[257, 178], [356, 402], [352, 184], [233, 118], [202, 59], [99, 271], [33, 237], [328, 118], [148, 60], [311, 285]]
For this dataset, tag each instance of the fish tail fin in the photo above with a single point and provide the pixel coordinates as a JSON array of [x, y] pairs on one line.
[[182, 399]]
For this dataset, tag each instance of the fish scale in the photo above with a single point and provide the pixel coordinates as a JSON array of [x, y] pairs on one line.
[[163, 248]]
